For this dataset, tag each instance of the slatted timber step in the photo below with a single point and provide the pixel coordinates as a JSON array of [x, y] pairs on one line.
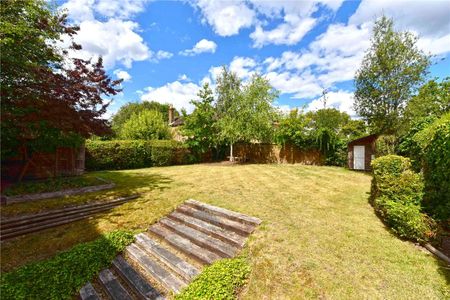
[[155, 269], [88, 292], [112, 286], [223, 222], [172, 261], [23, 225], [184, 245], [210, 229], [136, 281], [151, 269]]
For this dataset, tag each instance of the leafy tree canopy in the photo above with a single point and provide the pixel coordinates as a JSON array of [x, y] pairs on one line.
[[390, 73], [126, 111], [47, 97], [146, 125]]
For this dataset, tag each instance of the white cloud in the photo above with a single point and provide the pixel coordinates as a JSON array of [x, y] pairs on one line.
[[121, 74], [242, 66], [183, 77], [226, 17], [429, 19], [176, 93], [203, 46], [341, 100], [84, 10], [114, 40], [288, 33], [162, 55]]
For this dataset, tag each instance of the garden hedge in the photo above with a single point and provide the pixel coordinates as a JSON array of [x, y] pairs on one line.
[[132, 154], [397, 194]]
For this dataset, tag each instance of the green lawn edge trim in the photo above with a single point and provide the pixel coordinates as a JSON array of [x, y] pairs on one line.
[[63, 275], [221, 280]]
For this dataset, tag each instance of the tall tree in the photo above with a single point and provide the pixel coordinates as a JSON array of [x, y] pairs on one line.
[[200, 126], [228, 88], [48, 99], [391, 71], [248, 114], [146, 125], [126, 111]]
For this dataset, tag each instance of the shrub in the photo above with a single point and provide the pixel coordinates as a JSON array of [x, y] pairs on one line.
[[131, 154], [396, 195], [63, 275], [405, 219], [218, 281], [146, 125], [435, 143]]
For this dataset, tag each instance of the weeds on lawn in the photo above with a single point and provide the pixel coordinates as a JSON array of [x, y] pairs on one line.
[[63, 275]]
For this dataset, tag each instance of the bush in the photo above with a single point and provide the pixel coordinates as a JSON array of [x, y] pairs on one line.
[[146, 125], [405, 219], [385, 145], [63, 275], [435, 143], [218, 281], [396, 195], [132, 154]]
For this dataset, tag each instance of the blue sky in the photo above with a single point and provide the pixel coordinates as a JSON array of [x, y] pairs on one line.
[[165, 50]]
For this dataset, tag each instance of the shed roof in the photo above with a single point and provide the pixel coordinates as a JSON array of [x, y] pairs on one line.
[[364, 139]]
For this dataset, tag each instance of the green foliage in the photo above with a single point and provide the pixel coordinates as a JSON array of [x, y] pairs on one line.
[[63, 275], [434, 141], [397, 194], [218, 281], [200, 126], [405, 219], [126, 111], [433, 100], [50, 185], [146, 125], [294, 129], [385, 145], [131, 154], [390, 72], [246, 112]]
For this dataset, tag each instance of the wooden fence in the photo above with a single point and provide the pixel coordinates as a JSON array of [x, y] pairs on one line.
[[273, 153]]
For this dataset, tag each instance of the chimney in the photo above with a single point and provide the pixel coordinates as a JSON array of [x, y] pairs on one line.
[[171, 109]]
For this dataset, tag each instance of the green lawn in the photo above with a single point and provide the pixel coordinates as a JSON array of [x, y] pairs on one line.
[[319, 238]]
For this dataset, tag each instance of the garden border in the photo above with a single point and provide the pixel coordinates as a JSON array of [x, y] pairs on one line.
[[67, 192]]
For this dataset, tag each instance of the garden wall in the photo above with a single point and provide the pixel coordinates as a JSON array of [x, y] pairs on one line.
[[273, 153]]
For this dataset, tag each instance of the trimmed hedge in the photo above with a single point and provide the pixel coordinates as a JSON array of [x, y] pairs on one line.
[[63, 275], [218, 281], [397, 194], [132, 154], [434, 141]]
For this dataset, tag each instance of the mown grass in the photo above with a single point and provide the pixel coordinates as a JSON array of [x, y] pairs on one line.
[[319, 237]]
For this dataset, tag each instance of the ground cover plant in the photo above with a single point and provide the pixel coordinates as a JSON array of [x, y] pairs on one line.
[[221, 280], [63, 275], [319, 236], [51, 185]]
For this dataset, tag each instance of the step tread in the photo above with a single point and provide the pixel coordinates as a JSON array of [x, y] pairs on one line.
[[208, 228], [224, 212], [141, 287], [87, 292], [154, 269], [200, 238], [112, 285], [184, 245], [66, 210], [240, 228], [174, 262]]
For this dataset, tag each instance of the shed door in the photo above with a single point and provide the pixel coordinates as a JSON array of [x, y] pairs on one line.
[[358, 157]]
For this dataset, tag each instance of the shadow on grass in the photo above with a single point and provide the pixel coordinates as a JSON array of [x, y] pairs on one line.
[[45, 244]]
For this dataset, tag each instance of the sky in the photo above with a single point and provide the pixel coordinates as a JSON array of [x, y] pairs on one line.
[[166, 50]]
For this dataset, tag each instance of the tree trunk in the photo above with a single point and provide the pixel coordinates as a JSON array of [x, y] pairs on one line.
[[231, 153]]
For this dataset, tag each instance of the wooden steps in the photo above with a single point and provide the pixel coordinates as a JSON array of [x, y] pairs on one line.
[[22, 225], [158, 262]]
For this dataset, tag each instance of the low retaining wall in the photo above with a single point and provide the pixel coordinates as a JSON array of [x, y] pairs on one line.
[[273, 153]]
